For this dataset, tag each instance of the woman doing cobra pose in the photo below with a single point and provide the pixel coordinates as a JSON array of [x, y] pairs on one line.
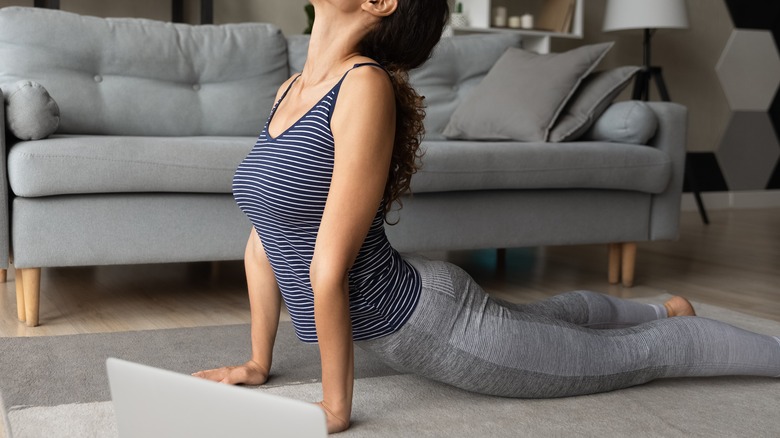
[[339, 147]]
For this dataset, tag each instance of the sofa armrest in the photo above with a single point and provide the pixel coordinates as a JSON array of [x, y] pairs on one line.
[[671, 138], [5, 224]]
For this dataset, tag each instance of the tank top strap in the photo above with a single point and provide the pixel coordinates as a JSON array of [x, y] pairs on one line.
[[337, 88], [289, 87], [362, 64], [281, 98]]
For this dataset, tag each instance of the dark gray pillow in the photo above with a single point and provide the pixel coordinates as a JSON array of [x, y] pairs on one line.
[[592, 98], [522, 95], [631, 122], [31, 112]]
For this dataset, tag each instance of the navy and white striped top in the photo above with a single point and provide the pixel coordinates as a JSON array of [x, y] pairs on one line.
[[282, 186]]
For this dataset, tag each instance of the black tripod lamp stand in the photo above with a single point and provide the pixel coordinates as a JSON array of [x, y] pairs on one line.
[[650, 15]]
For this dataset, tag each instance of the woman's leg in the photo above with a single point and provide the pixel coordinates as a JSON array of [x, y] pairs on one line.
[[591, 309], [459, 336]]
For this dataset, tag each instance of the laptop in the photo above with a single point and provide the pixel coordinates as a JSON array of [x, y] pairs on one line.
[[150, 402]]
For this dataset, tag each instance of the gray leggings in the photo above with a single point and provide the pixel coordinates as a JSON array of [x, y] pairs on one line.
[[563, 346]]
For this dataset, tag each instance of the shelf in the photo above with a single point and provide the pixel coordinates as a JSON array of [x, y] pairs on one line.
[[480, 17], [529, 32]]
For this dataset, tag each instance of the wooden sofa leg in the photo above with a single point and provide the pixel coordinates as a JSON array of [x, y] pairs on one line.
[[31, 281], [20, 309], [615, 256], [3, 275], [629, 262]]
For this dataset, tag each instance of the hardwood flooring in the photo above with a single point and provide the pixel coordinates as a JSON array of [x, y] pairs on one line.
[[733, 263]]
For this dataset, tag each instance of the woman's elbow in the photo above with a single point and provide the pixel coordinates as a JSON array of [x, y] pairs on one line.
[[327, 279]]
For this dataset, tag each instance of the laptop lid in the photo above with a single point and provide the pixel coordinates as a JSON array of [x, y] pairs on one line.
[[150, 402]]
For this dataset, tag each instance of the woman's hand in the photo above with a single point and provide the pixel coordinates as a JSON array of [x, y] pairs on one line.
[[264, 303], [335, 424], [249, 373]]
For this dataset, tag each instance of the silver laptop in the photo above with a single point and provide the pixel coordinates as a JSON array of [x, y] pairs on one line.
[[150, 402]]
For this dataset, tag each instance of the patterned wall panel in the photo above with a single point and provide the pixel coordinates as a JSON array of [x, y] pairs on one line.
[[749, 151], [754, 14], [749, 71]]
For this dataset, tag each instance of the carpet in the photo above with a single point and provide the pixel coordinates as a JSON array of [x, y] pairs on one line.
[[56, 386]]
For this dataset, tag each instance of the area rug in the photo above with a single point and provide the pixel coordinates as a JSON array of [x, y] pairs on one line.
[[56, 386]]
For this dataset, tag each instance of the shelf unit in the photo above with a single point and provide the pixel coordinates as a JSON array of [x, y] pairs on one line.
[[480, 17]]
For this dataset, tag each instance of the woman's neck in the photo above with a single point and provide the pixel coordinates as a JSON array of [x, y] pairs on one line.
[[334, 40]]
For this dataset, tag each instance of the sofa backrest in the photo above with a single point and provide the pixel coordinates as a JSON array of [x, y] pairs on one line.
[[143, 77], [457, 65]]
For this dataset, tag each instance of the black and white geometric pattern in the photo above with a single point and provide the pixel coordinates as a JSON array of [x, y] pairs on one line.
[[748, 156]]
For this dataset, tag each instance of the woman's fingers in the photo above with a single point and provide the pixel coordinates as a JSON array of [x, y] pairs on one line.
[[243, 374], [216, 375]]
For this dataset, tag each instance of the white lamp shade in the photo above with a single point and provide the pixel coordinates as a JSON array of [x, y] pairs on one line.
[[645, 14]]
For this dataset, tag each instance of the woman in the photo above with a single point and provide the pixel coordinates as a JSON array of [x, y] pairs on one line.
[[317, 186]]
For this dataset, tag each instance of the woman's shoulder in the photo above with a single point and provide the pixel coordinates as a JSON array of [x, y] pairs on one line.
[[365, 74], [366, 90]]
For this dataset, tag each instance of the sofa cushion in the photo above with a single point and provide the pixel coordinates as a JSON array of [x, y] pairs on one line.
[[522, 95], [64, 165], [123, 76], [466, 165], [297, 51], [457, 65], [632, 122], [32, 113], [592, 98]]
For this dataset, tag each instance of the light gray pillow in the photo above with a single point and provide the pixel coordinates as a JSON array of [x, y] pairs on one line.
[[522, 95], [592, 98], [631, 122], [31, 112]]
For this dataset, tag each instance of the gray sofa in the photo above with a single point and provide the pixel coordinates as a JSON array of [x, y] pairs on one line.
[[156, 116]]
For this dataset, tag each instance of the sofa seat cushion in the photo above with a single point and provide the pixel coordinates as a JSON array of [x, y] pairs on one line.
[[63, 165], [468, 165]]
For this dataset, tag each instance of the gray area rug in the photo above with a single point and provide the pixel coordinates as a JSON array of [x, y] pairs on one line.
[[56, 386]]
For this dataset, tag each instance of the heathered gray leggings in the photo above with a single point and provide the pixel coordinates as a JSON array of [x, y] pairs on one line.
[[562, 346]]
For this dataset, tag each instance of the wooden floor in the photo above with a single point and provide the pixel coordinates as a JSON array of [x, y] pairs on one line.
[[734, 263]]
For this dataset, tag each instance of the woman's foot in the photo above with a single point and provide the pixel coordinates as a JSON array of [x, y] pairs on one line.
[[679, 306]]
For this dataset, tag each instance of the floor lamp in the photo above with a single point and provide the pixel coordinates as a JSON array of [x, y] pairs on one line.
[[650, 15]]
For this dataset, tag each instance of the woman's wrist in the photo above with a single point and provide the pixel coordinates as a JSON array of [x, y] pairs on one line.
[[337, 419], [256, 367]]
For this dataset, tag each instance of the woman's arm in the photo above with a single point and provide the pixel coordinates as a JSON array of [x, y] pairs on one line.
[[363, 126], [265, 303]]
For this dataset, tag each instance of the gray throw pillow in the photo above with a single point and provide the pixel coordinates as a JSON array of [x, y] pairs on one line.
[[592, 98], [631, 122], [522, 95], [31, 112]]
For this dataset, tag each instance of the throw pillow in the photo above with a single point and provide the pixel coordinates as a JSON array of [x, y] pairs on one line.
[[31, 112], [522, 95], [594, 95], [631, 122]]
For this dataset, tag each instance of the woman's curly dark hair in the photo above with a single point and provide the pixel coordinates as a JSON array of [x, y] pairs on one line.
[[400, 42]]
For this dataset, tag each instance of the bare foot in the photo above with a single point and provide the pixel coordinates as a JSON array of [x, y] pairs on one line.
[[679, 306]]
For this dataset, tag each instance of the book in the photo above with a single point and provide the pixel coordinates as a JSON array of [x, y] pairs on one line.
[[556, 15]]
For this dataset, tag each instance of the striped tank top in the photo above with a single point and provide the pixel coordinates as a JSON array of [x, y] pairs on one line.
[[282, 186]]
